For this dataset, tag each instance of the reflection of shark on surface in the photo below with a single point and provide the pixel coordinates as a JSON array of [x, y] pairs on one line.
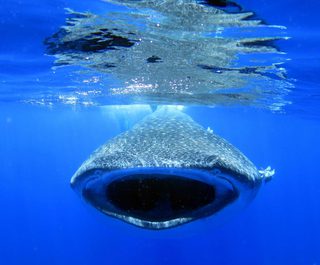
[[177, 52], [166, 171]]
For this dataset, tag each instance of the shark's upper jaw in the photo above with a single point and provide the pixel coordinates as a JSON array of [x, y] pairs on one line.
[[156, 198]]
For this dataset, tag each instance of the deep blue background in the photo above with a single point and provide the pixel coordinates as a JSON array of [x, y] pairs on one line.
[[42, 221]]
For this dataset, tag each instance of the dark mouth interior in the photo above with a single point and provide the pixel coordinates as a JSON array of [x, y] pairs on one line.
[[159, 198]]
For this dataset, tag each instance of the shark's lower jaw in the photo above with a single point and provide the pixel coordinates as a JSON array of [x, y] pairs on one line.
[[159, 198]]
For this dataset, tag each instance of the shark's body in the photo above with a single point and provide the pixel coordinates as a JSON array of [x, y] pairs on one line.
[[167, 170]]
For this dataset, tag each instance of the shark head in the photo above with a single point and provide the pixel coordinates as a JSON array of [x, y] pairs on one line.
[[166, 171]]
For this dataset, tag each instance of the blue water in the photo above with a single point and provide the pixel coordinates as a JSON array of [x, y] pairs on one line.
[[43, 221]]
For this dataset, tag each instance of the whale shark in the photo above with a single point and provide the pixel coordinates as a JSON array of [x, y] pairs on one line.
[[167, 170]]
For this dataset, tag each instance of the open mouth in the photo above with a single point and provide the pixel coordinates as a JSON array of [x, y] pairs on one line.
[[158, 198]]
